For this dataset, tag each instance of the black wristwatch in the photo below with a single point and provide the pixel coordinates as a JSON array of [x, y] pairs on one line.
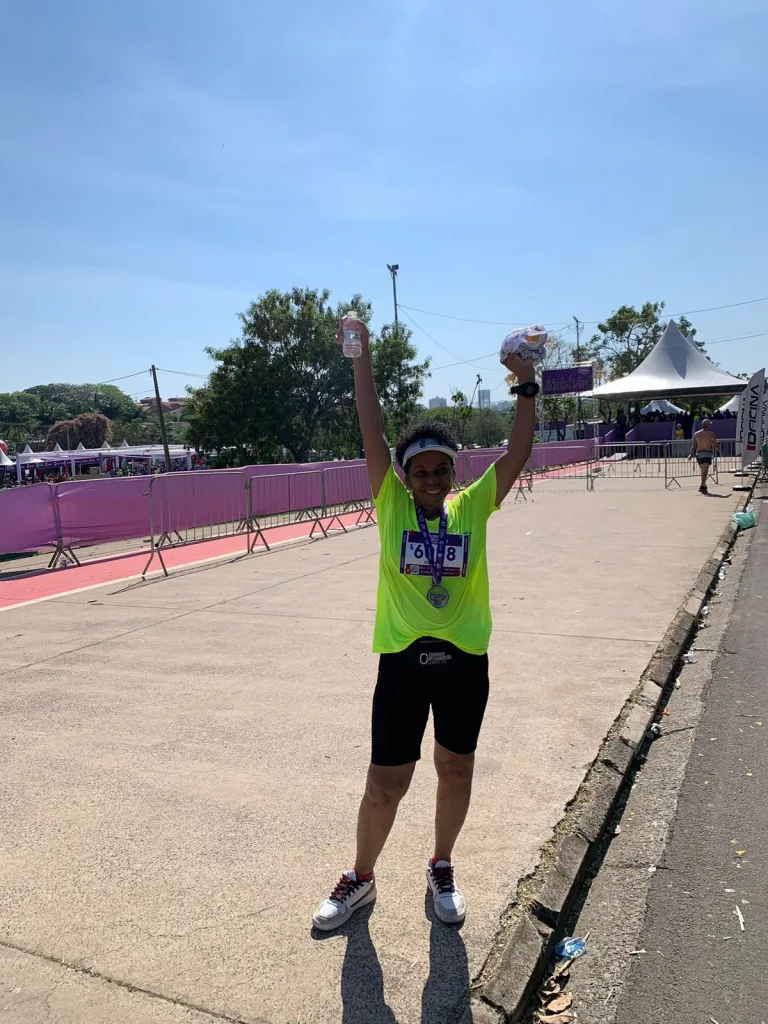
[[528, 389]]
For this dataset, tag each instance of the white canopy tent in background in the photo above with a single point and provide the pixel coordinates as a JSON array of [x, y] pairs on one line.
[[732, 407], [97, 456], [673, 367], [661, 405]]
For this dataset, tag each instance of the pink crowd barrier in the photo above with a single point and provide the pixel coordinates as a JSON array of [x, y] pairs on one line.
[[97, 511], [196, 500], [105, 510], [27, 518], [286, 492], [345, 484]]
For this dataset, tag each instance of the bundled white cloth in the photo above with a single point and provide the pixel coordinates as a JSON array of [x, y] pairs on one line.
[[527, 342]]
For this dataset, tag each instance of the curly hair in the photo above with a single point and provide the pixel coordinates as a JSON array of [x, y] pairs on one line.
[[433, 429]]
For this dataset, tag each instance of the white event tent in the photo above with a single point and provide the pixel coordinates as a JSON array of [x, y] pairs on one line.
[[673, 367], [661, 405], [732, 406]]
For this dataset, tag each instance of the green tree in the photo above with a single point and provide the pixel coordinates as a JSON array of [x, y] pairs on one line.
[[487, 427], [461, 412], [286, 384], [65, 401], [145, 430], [625, 338], [19, 414]]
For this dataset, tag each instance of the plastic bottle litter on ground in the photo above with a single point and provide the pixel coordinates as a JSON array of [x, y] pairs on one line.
[[705, 610], [690, 658], [570, 949], [654, 731]]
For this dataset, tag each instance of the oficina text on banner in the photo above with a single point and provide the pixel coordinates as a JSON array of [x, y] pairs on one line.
[[750, 426]]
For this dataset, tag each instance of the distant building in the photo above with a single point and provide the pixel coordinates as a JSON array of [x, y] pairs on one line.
[[484, 398], [437, 403], [505, 405], [149, 404]]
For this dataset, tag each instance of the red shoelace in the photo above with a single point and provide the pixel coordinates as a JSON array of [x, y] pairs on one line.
[[345, 887]]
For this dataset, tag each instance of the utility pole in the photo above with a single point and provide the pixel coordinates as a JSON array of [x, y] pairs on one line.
[[393, 269], [163, 434], [579, 411]]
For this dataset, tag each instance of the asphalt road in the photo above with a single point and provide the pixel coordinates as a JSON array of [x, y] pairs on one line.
[[699, 964]]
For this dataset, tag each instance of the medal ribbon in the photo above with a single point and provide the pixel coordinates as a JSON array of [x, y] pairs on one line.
[[436, 560]]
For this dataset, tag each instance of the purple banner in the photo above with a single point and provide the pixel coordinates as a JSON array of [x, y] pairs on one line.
[[571, 380]]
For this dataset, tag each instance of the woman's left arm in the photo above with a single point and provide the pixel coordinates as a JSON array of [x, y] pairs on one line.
[[509, 466]]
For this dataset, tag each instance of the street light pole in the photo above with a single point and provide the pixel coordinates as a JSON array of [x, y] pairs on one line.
[[393, 269]]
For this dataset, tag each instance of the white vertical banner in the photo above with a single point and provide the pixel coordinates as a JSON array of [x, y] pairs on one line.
[[750, 425]]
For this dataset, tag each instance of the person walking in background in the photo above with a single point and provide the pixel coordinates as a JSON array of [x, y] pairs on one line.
[[704, 448], [433, 624]]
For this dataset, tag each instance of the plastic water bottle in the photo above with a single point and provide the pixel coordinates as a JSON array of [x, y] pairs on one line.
[[353, 340]]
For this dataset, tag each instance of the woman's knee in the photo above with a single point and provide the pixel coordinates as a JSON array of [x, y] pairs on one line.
[[385, 785], [454, 769]]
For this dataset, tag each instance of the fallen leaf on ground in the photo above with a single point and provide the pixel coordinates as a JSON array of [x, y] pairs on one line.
[[560, 1003], [740, 853]]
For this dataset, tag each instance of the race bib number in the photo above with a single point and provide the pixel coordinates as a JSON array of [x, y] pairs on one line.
[[414, 561]]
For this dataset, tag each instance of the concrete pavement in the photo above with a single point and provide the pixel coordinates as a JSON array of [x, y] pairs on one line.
[[711, 967], [182, 761]]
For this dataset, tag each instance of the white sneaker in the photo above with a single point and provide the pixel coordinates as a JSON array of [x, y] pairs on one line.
[[450, 905], [349, 895]]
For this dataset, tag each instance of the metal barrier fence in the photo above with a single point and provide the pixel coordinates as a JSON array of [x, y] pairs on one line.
[[199, 506], [629, 461], [187, 508]]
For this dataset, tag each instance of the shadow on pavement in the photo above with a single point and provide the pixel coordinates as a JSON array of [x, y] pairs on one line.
[[362, 980]]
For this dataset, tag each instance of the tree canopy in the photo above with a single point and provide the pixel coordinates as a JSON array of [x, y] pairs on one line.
[[284, 383]]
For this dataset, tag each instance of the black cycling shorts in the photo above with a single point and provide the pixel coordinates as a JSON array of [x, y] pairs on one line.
[[430, 673]]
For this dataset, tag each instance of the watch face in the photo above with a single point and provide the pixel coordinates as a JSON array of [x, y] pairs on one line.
[[530, 389]]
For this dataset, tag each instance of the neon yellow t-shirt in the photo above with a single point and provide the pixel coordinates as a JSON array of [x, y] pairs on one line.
[[403, 613]]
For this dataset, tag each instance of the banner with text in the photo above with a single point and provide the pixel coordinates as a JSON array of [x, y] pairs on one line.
[[569, 380], [750, 426]]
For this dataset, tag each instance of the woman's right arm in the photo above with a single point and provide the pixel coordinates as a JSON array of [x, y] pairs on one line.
[[377, 457]]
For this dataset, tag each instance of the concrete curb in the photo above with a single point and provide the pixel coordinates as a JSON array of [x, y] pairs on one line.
[[532, 923]]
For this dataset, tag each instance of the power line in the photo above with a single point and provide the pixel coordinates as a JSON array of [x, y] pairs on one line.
[[126, 377], [503, 323], [183, 373], [472, 320], [440, 344]]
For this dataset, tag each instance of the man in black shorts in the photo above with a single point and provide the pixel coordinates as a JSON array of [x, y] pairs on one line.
[[704, 448]]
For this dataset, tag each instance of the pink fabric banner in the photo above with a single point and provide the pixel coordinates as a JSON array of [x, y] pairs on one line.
[[26, 518], [95, 511]]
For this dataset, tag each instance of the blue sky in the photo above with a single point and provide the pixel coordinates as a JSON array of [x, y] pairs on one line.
[[164, 163]]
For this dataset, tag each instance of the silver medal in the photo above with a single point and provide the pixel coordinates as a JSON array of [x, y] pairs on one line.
[[438, 596]]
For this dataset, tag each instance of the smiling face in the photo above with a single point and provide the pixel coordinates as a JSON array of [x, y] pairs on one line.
[[430, 476]]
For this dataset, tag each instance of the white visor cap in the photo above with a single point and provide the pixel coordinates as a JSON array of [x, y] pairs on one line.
[[427, 444]]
